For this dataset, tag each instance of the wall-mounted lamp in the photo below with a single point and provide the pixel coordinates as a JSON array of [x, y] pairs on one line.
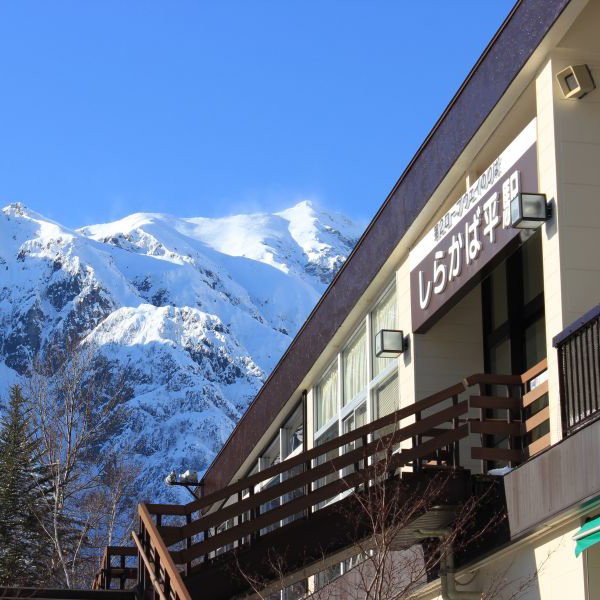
[[575, 81], [389, 343], [529, 211], [186, 480]]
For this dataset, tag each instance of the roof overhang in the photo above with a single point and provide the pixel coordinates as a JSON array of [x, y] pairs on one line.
[[504, 69]]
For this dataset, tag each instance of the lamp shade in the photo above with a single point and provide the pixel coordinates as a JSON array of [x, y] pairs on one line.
[[389, 343], [528, 211]]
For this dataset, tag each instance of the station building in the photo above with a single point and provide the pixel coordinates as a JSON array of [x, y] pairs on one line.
[[473, 295]]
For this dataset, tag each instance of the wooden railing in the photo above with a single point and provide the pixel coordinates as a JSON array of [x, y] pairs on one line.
[[439, 423], [174, 541], [247, 509], [579, 371], [157, 569], [536, 411], [514, 426], [121, 572]]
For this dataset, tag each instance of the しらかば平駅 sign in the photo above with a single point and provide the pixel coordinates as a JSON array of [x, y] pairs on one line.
[[462, 245]]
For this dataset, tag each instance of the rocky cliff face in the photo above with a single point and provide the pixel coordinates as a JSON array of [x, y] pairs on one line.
[[196, 312]]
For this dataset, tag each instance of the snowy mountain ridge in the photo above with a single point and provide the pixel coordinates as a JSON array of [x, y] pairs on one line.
[[197, 310]]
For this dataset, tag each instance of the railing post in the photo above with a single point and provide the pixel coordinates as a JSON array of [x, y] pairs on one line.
[[156, 556], [416, 441], [141, 565], [206, 536], [564, 413], [123, 574], [455, 444], [167, 587], [307, 490], [104, 572], [254, 514], [508, 418], [240, 518], [484, 437], [188, 545], [365, 459]]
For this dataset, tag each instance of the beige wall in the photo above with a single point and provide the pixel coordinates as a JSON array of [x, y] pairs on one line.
[[543, 568], [565, 476], [569, 170], [451, 350]]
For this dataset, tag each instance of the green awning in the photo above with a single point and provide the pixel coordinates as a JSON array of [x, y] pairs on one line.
[[587, 536]]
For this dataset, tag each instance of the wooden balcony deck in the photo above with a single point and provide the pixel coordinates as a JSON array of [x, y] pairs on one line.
[[207, 548]]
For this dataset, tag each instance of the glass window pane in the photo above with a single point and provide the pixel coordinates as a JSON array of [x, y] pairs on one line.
[[500, 364], [357, 419], [499, 311], [535, 343], [293, 431], [388, 397], [533, 277], [327, 398], [355, 367], [331, 433], [383, 317], [360, 416]]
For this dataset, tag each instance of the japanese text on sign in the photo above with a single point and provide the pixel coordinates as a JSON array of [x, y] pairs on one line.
[[465, 245]]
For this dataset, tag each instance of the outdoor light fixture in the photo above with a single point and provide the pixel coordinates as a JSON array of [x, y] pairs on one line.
[[189, 477], [529, 211], [575, 81], [389, 343], [188, 480], [171, 478]]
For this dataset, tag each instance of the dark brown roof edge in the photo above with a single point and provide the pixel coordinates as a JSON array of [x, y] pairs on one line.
[[513, 44]]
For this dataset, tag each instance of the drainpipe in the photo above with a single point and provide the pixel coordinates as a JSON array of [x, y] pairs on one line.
[[447, 578]]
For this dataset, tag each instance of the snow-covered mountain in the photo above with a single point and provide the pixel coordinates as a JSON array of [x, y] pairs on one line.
[[197, 310]]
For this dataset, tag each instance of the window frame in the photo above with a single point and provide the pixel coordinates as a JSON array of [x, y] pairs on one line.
[[325, 426]]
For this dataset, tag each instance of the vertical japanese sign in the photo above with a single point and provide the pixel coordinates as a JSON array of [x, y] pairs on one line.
[[453, 256]]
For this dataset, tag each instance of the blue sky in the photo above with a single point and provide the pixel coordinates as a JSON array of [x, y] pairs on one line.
[[219, 107]]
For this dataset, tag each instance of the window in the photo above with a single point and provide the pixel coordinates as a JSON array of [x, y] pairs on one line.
[[327, 398], [322, 578], [330, 434], [514, 325], [383, 317], [270, 457], [357, 375], [355, 367], [293, 433], [388, 397], [355, 420], [387, 400]]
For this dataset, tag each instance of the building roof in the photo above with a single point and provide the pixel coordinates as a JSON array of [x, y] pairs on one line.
[[509, 50]]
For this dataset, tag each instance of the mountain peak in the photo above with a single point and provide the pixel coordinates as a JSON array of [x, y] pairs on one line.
[[196, 311], [15, 209]]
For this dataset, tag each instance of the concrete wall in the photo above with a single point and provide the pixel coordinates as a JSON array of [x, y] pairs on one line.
[[568, 165], [451, 350], [560, 479], [543, 568]]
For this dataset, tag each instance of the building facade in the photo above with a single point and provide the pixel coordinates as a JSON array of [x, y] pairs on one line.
[[499, 323]]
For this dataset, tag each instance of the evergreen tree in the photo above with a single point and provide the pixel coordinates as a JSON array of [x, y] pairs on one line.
[[23, 549]]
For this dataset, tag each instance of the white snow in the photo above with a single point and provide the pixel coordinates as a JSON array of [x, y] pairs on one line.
[[198, 310], [501, 471]]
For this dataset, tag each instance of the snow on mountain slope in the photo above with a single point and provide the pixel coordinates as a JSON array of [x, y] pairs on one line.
[[198, 311]]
